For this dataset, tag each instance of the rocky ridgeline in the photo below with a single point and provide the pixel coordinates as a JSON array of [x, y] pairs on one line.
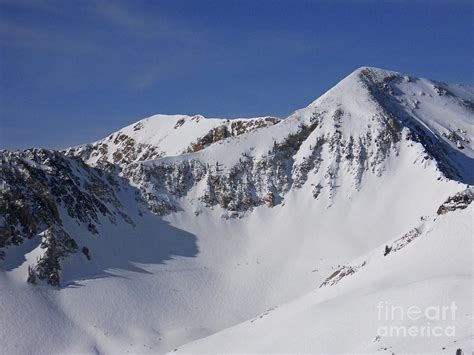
[[123, 151], [265, 179], [334, 151], [231, 128], [120, 149], [36, 184]]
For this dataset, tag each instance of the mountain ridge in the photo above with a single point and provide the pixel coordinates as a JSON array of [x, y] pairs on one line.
[[347, 133], [190, 208]]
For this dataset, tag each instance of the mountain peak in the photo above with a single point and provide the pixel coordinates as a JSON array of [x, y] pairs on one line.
[[379, 71], [263, 207]]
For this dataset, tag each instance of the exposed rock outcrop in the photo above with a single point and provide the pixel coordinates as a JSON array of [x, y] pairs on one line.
[[459, 201]]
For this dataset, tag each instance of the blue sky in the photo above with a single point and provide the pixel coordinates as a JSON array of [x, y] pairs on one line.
[[74, 71]]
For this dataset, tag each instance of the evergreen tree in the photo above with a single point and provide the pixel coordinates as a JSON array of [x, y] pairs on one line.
[[31, 275]]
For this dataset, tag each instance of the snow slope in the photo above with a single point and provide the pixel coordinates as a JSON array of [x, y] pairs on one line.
[[433, 270], [206, 227]]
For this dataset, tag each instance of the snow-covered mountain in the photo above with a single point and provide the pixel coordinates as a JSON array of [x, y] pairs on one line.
[[178, 227], [164, 135]]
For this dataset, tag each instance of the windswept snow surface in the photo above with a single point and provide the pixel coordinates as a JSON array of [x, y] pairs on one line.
[[197, 280], [369, 311]]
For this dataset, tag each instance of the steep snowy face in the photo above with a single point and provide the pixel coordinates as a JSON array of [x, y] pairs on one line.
[[358, 129], [439, 116], [372, 110], [163, 135]]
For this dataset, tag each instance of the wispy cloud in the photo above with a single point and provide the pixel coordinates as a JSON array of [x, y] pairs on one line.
[[154, 27], [151, 44], [146, 78], [167, 37], [103, 13], [22, 36], [118, 15], [150, 33], [42, 5]]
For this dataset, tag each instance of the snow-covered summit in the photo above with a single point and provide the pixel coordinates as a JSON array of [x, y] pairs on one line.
[[368, 102], [164, 135], [365, 125]]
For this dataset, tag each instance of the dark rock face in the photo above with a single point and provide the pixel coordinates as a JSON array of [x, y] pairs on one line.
[[269, 199], [231, 129], [459, 201], [239, 127], [130, 151], [35, 185], [27, 204], [213, 136]]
